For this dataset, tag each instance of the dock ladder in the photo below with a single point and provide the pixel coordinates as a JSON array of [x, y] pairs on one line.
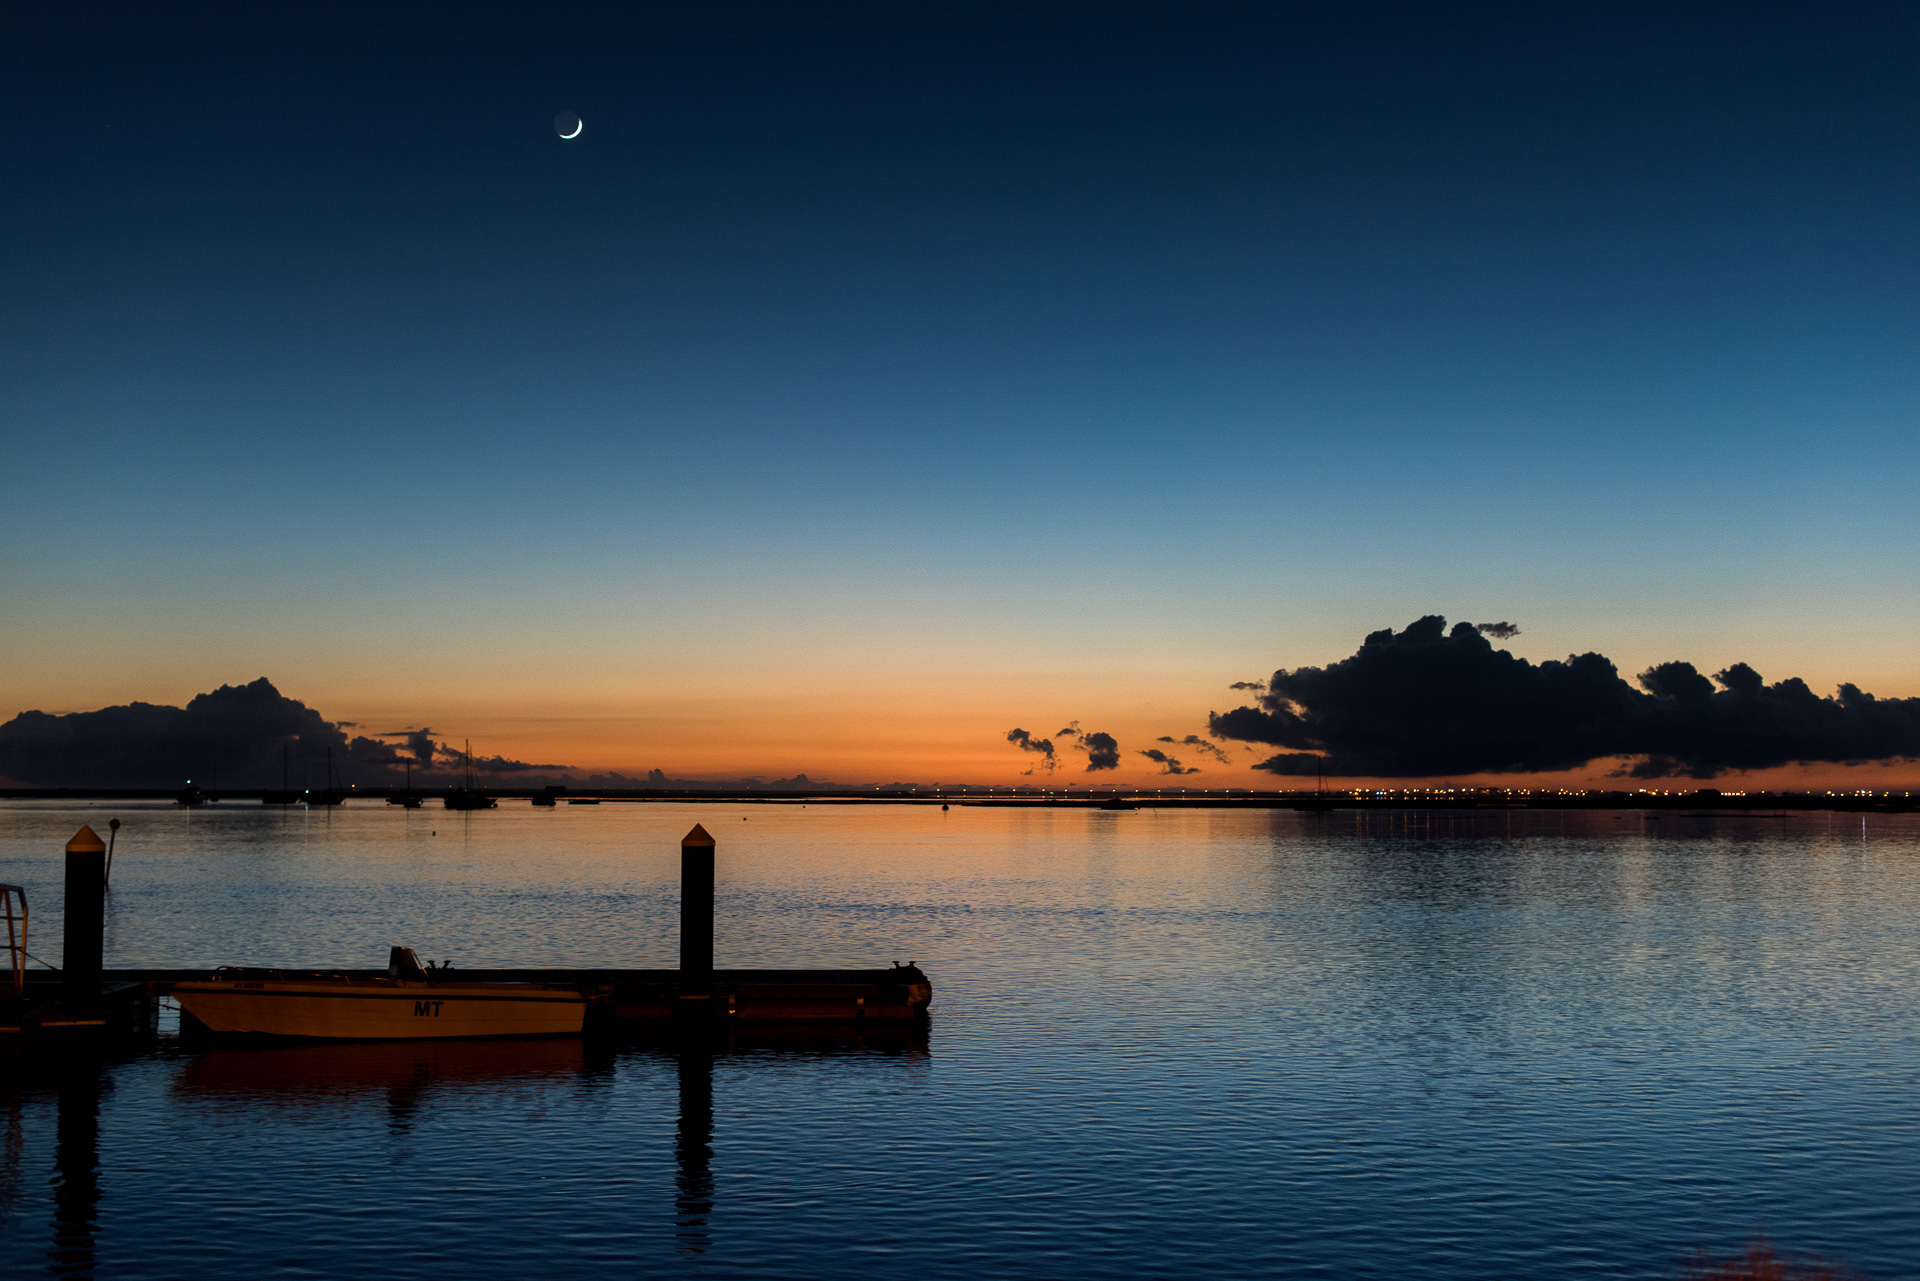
[[13, 906]]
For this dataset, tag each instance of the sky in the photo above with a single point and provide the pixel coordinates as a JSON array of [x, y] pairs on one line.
[[868, 380]]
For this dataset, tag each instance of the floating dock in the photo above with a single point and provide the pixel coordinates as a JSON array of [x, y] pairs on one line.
[[86, 999]]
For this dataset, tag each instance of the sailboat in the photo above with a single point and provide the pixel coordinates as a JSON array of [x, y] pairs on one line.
[[468, 797], [333, 795], [406, 798], [286, 795], [1319, 802]]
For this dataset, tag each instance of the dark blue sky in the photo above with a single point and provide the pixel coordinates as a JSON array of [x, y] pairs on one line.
[[1169, 338]]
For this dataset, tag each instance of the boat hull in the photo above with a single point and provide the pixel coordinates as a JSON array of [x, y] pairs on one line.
[[393, 1010]]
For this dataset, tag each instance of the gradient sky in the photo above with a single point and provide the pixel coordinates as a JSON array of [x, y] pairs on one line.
[[869, 379]]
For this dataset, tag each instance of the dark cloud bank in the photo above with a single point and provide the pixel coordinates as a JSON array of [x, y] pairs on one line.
[[1428, 702], [246, 736], [237, 736]]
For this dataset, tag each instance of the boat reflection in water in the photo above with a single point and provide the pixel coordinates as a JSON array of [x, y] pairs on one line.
[[409, 1080], [402, 1074], [405, 1075]]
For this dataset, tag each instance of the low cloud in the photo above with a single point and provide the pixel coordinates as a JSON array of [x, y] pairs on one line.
[[1198, 744], [1042, 746], [660, 780], [1499, 631], [1168, 764], [238, 736], [490, 766], [1429, 702], [1103, 752], [419, 743]]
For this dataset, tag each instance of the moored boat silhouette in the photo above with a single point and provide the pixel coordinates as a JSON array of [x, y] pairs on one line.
[[411, 1002], [468, 797]]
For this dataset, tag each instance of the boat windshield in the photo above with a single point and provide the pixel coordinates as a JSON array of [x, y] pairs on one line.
[[403, 964]]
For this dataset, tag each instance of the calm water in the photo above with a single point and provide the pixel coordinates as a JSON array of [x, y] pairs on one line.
[[1237, 1044]]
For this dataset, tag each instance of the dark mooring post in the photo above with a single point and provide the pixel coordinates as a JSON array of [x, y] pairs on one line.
[[85, 910], [696, 907]]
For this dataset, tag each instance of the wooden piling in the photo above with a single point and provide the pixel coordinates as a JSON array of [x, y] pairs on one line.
[[696, 907], [83, 940]]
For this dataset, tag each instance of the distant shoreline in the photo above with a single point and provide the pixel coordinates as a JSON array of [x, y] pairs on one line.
[[1479, 799]]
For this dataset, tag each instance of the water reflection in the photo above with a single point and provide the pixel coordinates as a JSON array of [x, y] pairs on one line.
[[408, 1079], [694, 1057], [76, 1180], [1227, 1043], [693, 1149], [13, 1142], [403, 1074]]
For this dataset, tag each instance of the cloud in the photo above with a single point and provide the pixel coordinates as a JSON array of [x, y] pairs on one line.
[[1428, 702], [1028, 743], [1252, 687], [1169, 764], [1101, 749], [493, 765], [1103, 752], [1499, 631], [420, 745], [371, 751], [239, 736], [1199, 744], [660, 780], [236, 736]]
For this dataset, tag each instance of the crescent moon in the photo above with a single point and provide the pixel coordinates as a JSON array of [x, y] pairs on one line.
[[576, 130], [568, 124]]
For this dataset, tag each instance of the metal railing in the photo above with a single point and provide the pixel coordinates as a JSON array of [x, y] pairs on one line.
[[16, 917]]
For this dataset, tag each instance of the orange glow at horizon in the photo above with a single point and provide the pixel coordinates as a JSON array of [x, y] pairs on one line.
[[847, 719]]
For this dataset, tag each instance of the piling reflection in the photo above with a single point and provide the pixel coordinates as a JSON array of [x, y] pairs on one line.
[[694, 1055], [411, 1082], [693, 1149], [76, 1163]]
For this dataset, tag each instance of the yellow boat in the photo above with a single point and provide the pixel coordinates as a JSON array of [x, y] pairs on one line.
[[411, 1002]]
